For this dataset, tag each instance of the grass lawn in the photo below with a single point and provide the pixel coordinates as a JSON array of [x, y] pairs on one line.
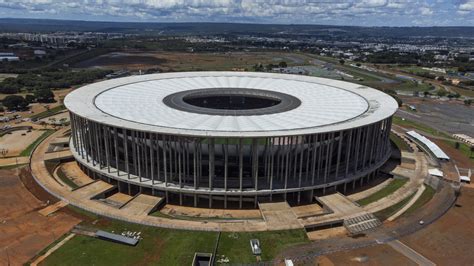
[[463, 148], [49, 112], [236, 246], [413, 86], [387, 212], [29, 149], [387, 190], [399, 142], [422, 200], [158, 247], [415, 125], [165, 246]]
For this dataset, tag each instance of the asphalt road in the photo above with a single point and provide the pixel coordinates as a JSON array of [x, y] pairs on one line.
[[444, 116]]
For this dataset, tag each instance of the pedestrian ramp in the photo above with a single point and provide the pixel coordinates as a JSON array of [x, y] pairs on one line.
[[361, 223], [93, 190], [278, 215], [142, 204]]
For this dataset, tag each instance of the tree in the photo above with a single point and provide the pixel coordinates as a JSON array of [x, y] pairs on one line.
[[468, 102], [44, 96], [441, 93], [15, 102], [457, 145], [282, 64], [269, 67], [30, 98], [342, 61]]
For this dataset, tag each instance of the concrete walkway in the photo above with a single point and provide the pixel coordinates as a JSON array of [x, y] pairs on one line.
[[416, 179], [343, 207], [82, 200], [14, 160], [51, 250], [410, 253], [279, 216], [365, 193], [420, 191]]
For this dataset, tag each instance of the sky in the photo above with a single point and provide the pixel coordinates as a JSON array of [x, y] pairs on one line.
[[326, 12]]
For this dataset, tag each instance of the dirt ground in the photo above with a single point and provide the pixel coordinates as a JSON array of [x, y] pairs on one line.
[[450, 239], [15, 143], [23, 231], [374, 255], [327, 233], [176, 210], [73, 172], [456, 156], [57, 118], [307, 210], [179, 61]]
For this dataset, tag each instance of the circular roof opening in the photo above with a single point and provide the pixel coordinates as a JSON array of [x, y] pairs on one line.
[[231, 101]]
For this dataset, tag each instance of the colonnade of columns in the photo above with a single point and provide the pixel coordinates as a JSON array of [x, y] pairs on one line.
[[238, 167]]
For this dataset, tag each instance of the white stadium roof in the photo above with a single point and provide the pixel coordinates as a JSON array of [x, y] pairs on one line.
[[137, 103]]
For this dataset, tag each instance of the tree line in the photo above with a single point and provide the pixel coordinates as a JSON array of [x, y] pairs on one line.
[[49, 79]]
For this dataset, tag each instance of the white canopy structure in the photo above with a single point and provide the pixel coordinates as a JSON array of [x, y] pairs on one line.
[[431, 146]]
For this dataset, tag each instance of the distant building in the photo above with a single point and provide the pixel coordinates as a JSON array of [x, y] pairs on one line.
[[39, 53], [9, 57]]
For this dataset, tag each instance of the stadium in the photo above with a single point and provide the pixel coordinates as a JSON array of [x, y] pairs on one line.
[[230, 139]]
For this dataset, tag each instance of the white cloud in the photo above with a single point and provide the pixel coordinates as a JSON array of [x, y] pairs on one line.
[[273, 11], [466, 6]]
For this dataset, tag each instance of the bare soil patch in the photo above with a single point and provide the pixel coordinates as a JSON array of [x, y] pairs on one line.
[[118, 60], [373, 255], [17, 141], [23, 231], [449, 239], [457, 156]]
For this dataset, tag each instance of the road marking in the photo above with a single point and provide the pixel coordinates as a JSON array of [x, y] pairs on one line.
[[410, 253]]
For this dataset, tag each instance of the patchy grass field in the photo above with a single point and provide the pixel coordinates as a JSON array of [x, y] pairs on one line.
[[387, 190], [165, 246], [49, 112], [415, 125], [445, 139], [422, 200], [29, 149], [236, 246], [387, 212], [399, 142], [158, 247], [181, 61]]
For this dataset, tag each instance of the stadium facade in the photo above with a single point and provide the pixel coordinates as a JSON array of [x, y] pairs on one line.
[[230, 139]]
